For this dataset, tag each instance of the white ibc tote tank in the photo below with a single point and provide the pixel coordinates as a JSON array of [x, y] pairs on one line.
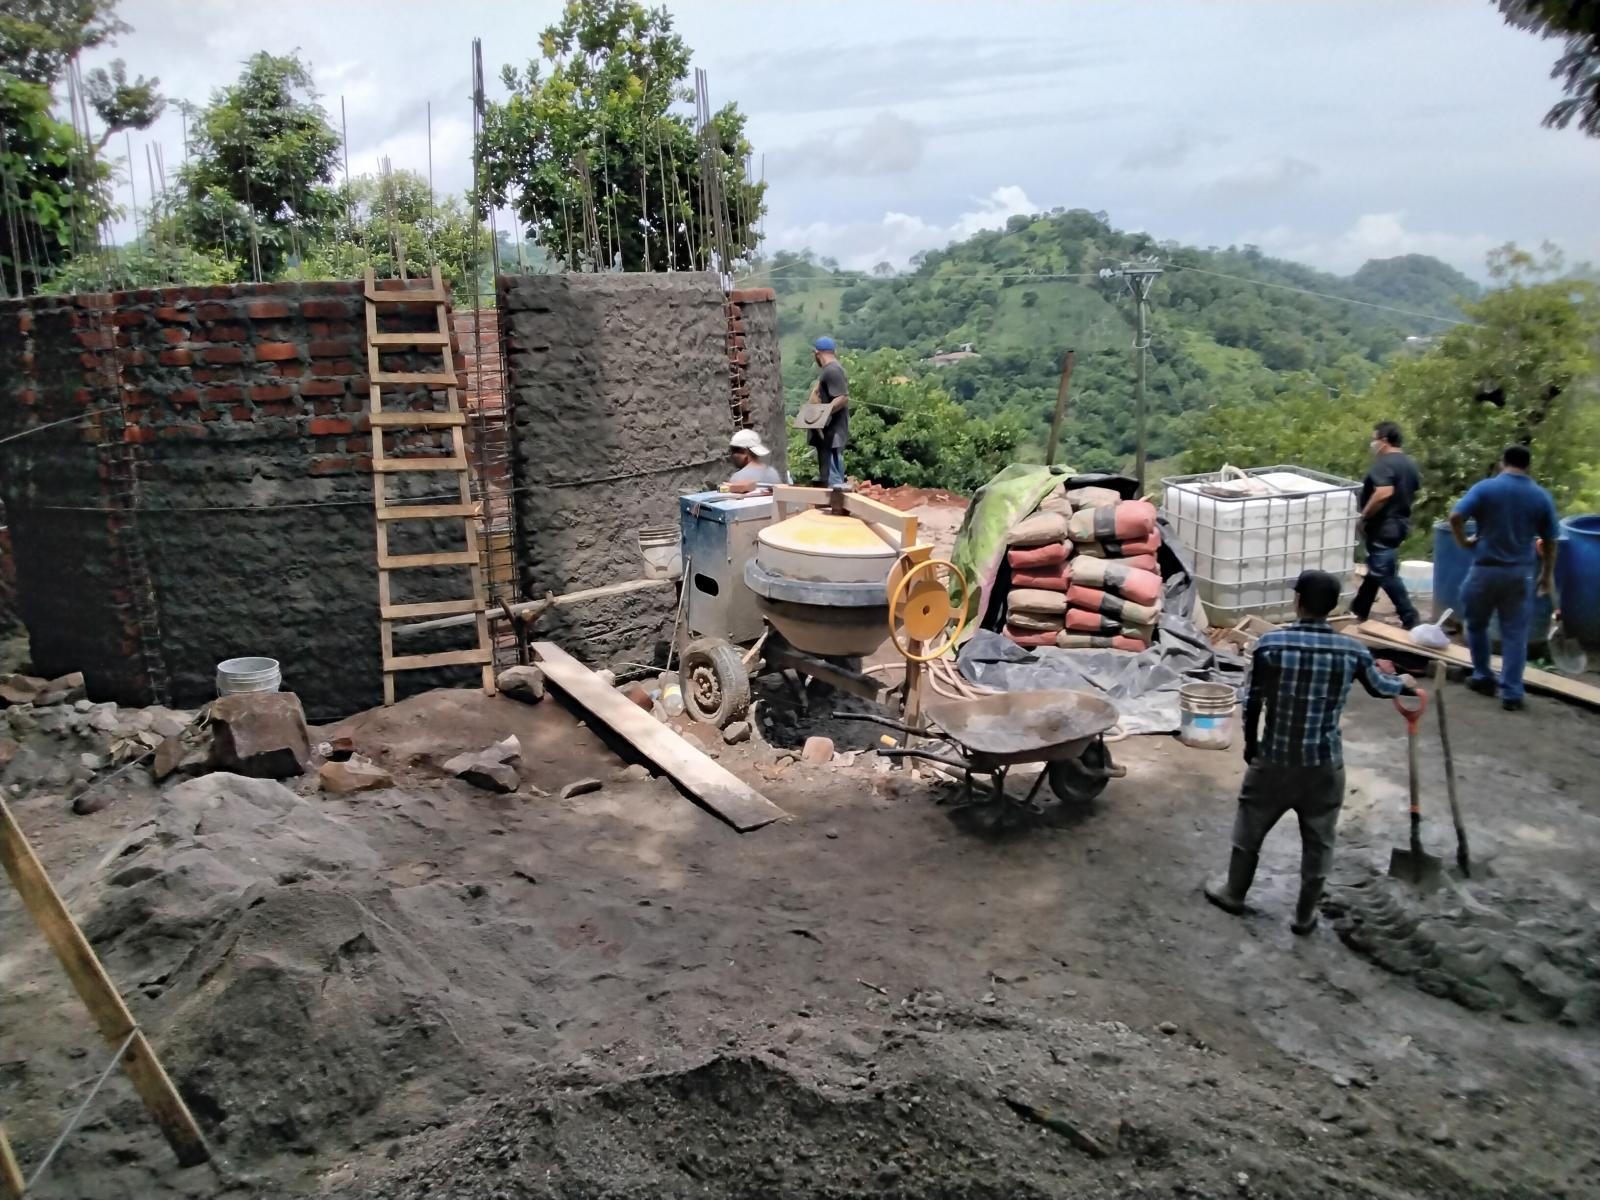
[[1252, 532]]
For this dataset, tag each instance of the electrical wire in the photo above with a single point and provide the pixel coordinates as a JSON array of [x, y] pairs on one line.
[[1284, 287]]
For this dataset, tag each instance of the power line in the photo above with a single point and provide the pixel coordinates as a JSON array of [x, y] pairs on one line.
[[1284, 287]]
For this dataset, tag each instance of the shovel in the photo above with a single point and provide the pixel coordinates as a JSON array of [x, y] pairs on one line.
[[1414, 864], [1565, 650]]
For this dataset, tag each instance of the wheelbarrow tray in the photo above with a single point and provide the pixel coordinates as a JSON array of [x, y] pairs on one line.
[[1021, 727]]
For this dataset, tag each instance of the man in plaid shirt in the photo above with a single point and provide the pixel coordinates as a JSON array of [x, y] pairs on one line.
[[1301, 675]]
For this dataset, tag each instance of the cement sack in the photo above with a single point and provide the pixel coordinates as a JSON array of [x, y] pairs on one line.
[[1093, 497], [1039, 601], [1108, 574], [1053, 554], [1038, 530], [1024, 637], [1051, 579], [1023, 622], [1057, 504], [1089, 641], [1137, 548], [1129, 521], [1112, 605]]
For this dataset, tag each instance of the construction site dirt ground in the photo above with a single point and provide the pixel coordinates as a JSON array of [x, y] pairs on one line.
[[432, 991]]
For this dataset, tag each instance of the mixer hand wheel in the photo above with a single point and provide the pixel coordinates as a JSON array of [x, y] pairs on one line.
[[920, 608]]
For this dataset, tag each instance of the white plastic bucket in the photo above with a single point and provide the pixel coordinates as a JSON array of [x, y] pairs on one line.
[[662, 547], [235, 675], [1417, 575], [1206, 715]]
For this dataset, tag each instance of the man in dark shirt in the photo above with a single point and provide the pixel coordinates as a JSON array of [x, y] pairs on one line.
[[1514, 558], [1301, 675], [832, 390], [1386, 496]]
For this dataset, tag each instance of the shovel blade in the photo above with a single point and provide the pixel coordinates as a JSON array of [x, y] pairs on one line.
[[1415, 866]]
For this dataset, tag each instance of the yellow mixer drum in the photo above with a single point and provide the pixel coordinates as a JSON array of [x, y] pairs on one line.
[[825, 547], [819, 577]]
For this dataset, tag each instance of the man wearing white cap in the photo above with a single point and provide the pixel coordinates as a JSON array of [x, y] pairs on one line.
[[749, 458]]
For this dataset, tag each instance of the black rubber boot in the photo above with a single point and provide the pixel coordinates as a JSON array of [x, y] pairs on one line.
[[1305, 908], [1229, 895]]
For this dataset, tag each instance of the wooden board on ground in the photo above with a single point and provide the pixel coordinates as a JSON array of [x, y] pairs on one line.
[[723, 792], [1375, 633]]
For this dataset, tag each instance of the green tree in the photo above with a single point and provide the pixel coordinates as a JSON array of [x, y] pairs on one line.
[[383, 215], [262, 154], [589, 128], [1578, 68], [38, 38], [144, 264], [51, 196]]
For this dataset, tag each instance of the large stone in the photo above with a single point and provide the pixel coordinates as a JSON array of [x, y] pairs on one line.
[[494, 769], [168, 755], [817, 750], [65, 690], [355, 774], [8, 750], [261, 734], [525, 683], [22, 689]]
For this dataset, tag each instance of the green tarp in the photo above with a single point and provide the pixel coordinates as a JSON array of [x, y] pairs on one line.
[[981, 543]]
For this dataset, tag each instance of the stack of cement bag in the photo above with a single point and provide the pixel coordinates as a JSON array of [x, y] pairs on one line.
[[1084, 573]]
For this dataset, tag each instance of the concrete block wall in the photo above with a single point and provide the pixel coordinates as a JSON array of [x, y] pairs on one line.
[[247, 406]]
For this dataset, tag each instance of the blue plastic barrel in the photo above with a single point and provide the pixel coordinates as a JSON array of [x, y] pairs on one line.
[[1578, 577], [1450, 566]]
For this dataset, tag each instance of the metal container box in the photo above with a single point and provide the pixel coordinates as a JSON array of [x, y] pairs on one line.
[[719, 537]]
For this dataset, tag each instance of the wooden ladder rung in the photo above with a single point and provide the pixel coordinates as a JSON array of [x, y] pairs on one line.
[[400, 420], [431, 608], [413, 296], [439, 558], [419, 464], [429, 337], [431, 378], [443, 658], [425, 512]]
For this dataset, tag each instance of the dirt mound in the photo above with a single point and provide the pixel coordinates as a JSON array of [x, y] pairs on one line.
[[905, 497], [734, 1126]]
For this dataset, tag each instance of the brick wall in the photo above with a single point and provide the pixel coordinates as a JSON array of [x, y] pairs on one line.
[[246, 407]]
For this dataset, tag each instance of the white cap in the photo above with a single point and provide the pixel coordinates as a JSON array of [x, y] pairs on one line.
[[749, 439]]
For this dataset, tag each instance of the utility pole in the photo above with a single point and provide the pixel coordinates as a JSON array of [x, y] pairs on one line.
[[1140, 278]]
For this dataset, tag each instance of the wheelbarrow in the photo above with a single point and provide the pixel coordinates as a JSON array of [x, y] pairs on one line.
[[1063, 730]]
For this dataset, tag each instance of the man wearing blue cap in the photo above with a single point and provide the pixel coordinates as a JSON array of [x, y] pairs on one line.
[[833, 394]]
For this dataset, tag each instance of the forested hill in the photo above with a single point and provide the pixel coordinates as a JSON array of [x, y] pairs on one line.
[[1224, 324]]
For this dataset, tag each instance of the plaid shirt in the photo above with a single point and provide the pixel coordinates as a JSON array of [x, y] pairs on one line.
[[1302, 675]]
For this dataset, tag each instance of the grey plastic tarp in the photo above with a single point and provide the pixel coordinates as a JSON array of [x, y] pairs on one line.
[[1143, 686]]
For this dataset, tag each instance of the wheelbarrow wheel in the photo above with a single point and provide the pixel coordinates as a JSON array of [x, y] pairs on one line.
[[716, 687], [1080, 780]]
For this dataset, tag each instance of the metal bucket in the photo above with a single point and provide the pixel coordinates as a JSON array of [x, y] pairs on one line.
[[236, 675], [1206, 715]]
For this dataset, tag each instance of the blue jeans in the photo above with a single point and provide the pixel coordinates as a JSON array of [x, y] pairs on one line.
[[1383, 571], [1506, 592], [830, 465]]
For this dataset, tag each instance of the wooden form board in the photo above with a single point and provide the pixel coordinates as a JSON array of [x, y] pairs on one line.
[[98, 993], [1377, 634], [723, 792], [895, 527], [435, 341]]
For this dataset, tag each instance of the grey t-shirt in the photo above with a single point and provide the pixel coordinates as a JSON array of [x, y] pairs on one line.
[[758, 473], [832, 384]]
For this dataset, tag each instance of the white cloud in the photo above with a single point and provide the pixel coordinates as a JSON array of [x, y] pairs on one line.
[[888, 144], [1267, 177], [897, 235], [1375, 235]]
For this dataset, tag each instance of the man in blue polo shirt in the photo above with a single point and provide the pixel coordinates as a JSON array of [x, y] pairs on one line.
[[1514, 557]]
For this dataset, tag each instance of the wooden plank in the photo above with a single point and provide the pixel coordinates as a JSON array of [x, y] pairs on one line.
[[407, 296], [418, 463], [429, 608], [98, 993], [1376, 633], [442, 658], [424, 512], [426, 338], [875, 512], [402, 420], [718, 789], [12, 1184], [439, 558], [532, 608], [431, 378]]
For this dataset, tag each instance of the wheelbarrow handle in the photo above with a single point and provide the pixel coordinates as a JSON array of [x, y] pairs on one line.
[[1413, 716], [874, 719], [946, 759]]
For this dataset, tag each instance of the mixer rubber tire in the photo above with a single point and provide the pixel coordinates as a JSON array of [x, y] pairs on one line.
[[715, 685], [1072, 784]]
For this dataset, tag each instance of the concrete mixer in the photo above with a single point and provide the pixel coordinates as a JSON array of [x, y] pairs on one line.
[[833, 577]]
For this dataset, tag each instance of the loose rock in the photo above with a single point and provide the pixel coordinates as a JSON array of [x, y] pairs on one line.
[[1168, 1027], [354, 774], [262, 734], [64, 690], [22, 689], [737, 732], [633, 773], [525, 683], [580, 787], [817, 750]]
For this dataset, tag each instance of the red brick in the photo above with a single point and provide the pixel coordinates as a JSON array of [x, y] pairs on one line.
[[186, 396], [215, 312], [331, 466], [173, 337], [224, 393], [173, 432], [342, 368], [274, 409], [322, 387], [265, 310], [222, 333], [335, 309], [24, 322], [330, 349], [223, 354], [329, 426], [178, 316], [133, 358], [95, 339], [276, 351], [288, 370], [126, 318], [240, 412], [176, 358], [271, 391], [136, 399], [209, 415]]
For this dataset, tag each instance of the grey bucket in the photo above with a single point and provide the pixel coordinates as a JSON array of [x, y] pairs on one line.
[[236, 675], [1206, 715]]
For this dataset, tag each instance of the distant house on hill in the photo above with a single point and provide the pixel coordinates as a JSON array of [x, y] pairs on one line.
[[946, 358]]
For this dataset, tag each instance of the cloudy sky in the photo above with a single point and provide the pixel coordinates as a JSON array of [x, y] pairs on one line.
[[1329, 131]]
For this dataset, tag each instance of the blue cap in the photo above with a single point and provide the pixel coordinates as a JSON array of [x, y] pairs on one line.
[[823, 343]]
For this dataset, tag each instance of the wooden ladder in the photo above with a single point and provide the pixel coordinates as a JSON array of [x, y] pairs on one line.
[[437, 341]]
